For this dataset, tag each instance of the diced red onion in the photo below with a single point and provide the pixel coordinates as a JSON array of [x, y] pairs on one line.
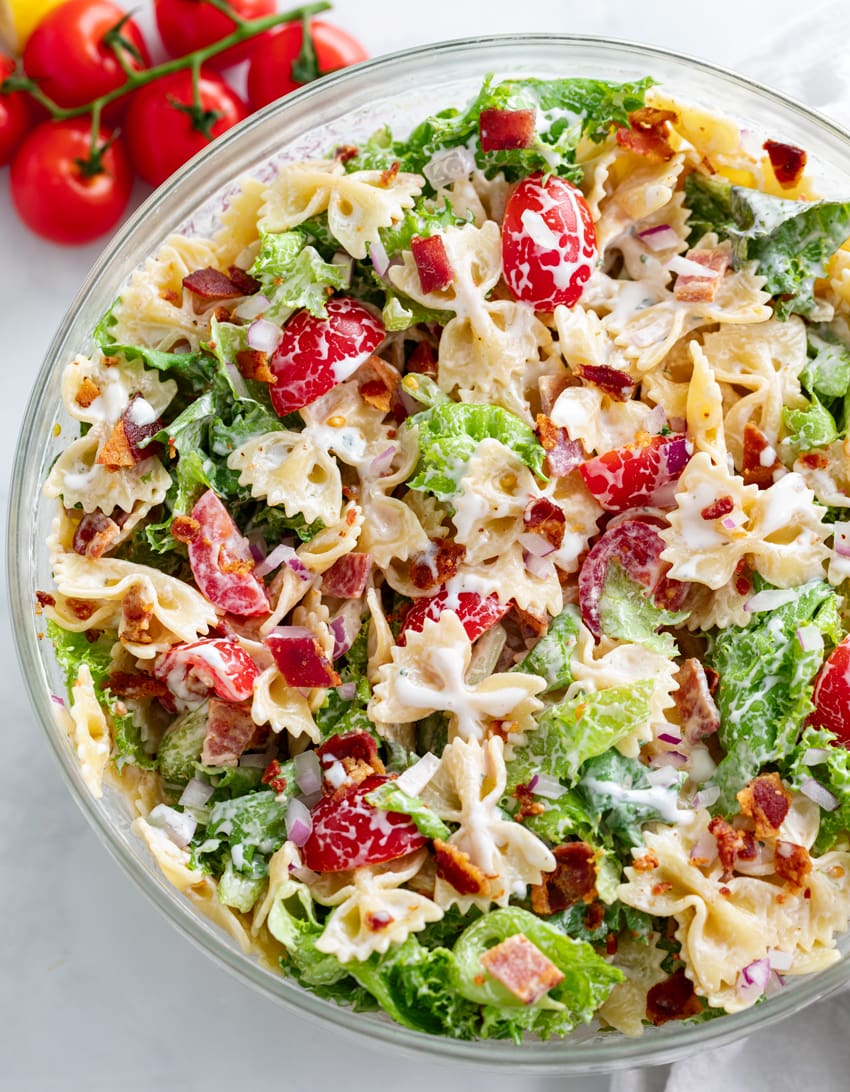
[[841, 539], [448, 165], [299, 822], [382, 462], [237, 855], [344, 260], [669, 758], [729, 522], [308, 773], [344, 629], [255, 760], [252, 307], [348, 689], [293, 631], [668, 737], [414, 779], [814, 756], [810, 638], [820, 795], [770, 599], [687, 268], [533, 782], [548, 787], [678, 424], [196, 794], [264, 336], [774, 984], [756, 973], [379, 257], [707, 796], [662, 237], [310, 800], [540, 567], [779, 960], [705, 847], [676, 454], [277, 557], [179, 826], [237, 379], [57, 700], [538, 545]]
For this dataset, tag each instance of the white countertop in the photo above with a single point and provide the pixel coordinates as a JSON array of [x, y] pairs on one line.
[[97, 990]]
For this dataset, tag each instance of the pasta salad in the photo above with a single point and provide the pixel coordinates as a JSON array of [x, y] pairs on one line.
[[450, 565]]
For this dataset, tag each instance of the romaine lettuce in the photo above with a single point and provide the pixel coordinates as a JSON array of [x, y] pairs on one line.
[[832, 771], [627, 612], [551, 656], [389, 797], [293, 275]]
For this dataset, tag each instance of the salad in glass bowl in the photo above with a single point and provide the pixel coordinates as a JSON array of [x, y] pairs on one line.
[[448, 564]]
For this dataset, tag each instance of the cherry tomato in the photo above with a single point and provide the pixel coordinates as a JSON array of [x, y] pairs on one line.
[[475, 613], [271, 76], [55, 197], [832, 694], [349, 833], [213, 663], [221, 561], [162, 135], [636, 546], [315, 354], [187, 25], [548, 242], [16, 114], [68, 57], [630, 476]]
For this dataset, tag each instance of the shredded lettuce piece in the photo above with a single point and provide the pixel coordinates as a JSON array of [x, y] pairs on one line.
[[623, 794], [832, 772], [293, 275], [239, 891], [627, 612], [809, 428], [180, 748], [551, 657], [389, 797], [254, 825], [423, 220], [292, 920], [617, 918], [827, 373], [566, 818]]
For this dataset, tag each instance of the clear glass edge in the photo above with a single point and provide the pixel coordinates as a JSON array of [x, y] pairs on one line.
[[655, 1047]]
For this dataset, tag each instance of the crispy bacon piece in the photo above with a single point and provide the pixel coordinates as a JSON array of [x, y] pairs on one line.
[[272, 777], [123, 447], [80, 607], [136, 616], [563, 455], [212, 284], [766, 801], [116, 453], [543, 517], [649, 135], [617, 384], [254, 364], [347, 577], [344, 152], [95, 534], [433, 567], [528, 802], [521, 967], [551, 387], [814, 460], [185, 529], [45, 599], [574, 880], [530, 624], [718, 508], [697, 709], [758, 468], [432, 263], [354, 746], [423, 360], [503, 129], [793, 864], [379, 383], [87, 393], [388, 176], [672, 999], [136, 686], [455, 867], [693, 289], [230, 732], [732, 844], [301, 659], [788, 162], [248, 285]]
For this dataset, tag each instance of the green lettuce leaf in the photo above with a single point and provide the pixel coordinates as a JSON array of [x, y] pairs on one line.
[[256, 823], [180, 748], [627, 612], [423, 220], [827, 373], [390, 797], [292, 920], [551, 657], [239, 891], [566, 818], [449, 435], [400, 312], [832, 772], [293, 275], [623, 795], [617, 918], [809, 428], [424, 390]]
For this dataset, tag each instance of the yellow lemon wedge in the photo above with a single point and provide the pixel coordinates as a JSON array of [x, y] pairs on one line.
[[19, 18]]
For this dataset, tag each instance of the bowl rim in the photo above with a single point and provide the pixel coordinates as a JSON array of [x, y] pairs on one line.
[[565, 1057]]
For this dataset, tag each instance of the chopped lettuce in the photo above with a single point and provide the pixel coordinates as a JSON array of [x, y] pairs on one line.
[[237, 890], [809, 428], [832, 772], [627, 612], [400, 312], [449, 435], [791, 240], [389, 797], [827, 373], [563, 819], [292, 920], [424, 390], [180, 748], [253, 825], [617, 918], [552, 655], [423, 220], [623, 795], [293, 274]]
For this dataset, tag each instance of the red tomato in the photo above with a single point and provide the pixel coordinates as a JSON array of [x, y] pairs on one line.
[[212, 663], [270, 75], [630, 476], [162, 135], [315, 354], [16, 114], [221, 561], [68, 57], [187, 25], [55, 197], [349, 833], [548, 242], [832, 694], [476, 614], [636, 546]]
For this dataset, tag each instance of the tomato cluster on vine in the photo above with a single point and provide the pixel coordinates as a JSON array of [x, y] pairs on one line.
[[83, 111]]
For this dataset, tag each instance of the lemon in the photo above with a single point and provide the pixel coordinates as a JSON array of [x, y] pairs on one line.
[[19, 18]]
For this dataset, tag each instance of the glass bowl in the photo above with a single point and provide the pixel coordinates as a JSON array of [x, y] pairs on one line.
[[399, 89]]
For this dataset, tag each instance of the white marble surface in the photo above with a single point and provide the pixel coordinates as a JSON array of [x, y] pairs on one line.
[[97, 990]]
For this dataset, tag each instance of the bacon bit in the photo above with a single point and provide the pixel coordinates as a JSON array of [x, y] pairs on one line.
[[766, 801], [672, 999], [455, 867], [378, 920], [374, 393], [788, 162], [87, 393], [793, 864], [500, 130], [530, 624], [388, 176], [725, 892], [272, 776], [646, 863], [45, 599], [227, 563], [95, 534], [649, 135], [350, 517], [254, 364], [185, 529], [432, 263], [80, 608], [136, 686], [543, 517], [611, 944], [522, 968], [835, 872], [432, 567], [92, 636], [619, 385], [423, 360], [814, 460], [693, 289], [344, 152], [116, 453], [662, 888], [247, 284], [230, 732], [358, 747], [731, 844], [572, 881], [212, 284], [743, 584], [753, 471], [347, 577], [551, 387], [137, 612], [697, 709], [721, 507], [172, 297], [595, 915], [528, 805]]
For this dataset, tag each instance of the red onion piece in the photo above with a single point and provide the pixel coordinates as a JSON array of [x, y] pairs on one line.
[[656, 420], [382, 462], [533, 782], [707, 796], [537, 545], [820, 795], [277, 557], [730, 523], [548, 787], [292, 631], [810, 638], [303, 875], [57, 700], [252, 308], [841, 540], [264, 336], [668, 737], [379, 257], [757, 973], [814, 756], [448, 165], [541, 567], [179, 826], [770, 599], [669, 758], [416, 777], [662, 237], [779, 960], [347, 690], [705, 847], [299, 822], [196, 794], [344, 260], [308, 773]]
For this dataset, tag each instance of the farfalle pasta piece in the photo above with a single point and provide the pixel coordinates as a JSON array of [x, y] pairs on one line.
[[599, 421], [98, 393], [582, 339], [466, 789], [238, 233], [90, 735], [428, 674], [492, 496], [82, 482], [357, 204], [391, 529], [704, 408], [641, 188], [336, 540], [283, 707], [508, 577], [827, 473]]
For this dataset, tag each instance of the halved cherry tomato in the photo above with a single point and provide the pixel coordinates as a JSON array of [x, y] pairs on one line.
[[67, 54], [219, 664], [636, 546], [349, 833], [187, 25], [162, 129], [271, 73], [476, 614], [221, 561], [315, 354], [832, 694], [16, 114], [630, 476], [54, 195], [548, 242]]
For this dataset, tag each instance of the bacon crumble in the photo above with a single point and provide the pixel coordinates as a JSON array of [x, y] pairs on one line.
[[649, 134], [572, 881], [456, 868], [766, 801], [788, 162], [522, 968], [755, 470], [672, 999]]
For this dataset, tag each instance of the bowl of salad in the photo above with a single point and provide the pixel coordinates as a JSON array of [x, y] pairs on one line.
[[428, 541]]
